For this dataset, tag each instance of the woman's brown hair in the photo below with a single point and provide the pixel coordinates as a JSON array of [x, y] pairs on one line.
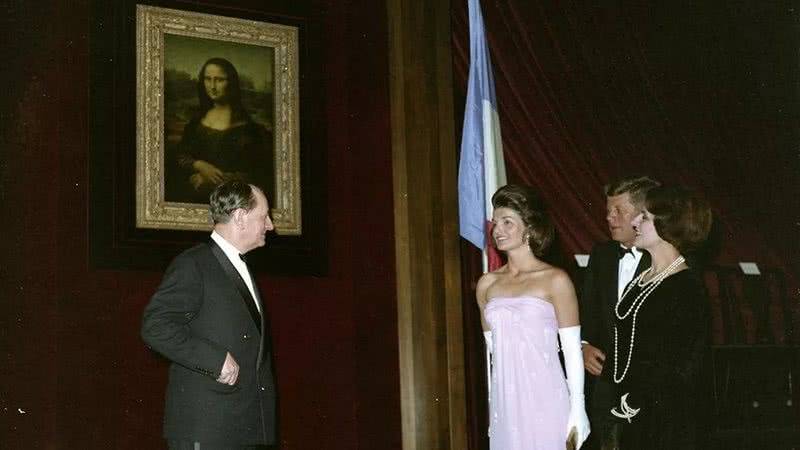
[[681, 216], [526, 202]]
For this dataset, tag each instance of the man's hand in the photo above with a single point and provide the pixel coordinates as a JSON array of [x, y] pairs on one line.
[[593, 359], [230, 371]]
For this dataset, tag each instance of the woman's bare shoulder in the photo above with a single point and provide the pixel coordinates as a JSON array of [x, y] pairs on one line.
[[487, 280], [495, 274], [560, 284], [558, 275]]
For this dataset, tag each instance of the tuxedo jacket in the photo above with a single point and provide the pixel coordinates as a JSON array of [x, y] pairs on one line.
[[201, 311], [599, 296]]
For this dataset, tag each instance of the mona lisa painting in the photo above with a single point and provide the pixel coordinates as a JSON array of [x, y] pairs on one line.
[[217, 99]]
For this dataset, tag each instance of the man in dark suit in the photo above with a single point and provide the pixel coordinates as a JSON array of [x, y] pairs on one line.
[[612, 265], [207, 317]]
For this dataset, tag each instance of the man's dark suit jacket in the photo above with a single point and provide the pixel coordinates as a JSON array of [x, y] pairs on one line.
[[598, 298], [201, 311]]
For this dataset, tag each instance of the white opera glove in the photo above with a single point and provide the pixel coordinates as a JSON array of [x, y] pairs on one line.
[[573, 363], [487, 335]]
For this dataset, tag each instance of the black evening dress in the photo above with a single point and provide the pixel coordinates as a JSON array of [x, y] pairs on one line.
[[667, 376], [243, 152]]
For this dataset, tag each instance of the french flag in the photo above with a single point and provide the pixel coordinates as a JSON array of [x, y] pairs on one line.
[[482, 169]]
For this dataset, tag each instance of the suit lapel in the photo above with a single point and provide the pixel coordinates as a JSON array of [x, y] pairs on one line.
[[613, 275], [263, 322], [239, 283]]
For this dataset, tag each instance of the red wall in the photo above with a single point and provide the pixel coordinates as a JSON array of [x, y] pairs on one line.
[[74, 373]]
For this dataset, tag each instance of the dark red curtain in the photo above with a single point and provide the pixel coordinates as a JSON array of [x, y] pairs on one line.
[[702, 94]]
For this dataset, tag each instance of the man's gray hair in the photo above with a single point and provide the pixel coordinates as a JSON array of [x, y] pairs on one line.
[[228, 197]]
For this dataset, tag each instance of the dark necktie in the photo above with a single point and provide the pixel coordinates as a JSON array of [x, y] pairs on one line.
[[622, 251]]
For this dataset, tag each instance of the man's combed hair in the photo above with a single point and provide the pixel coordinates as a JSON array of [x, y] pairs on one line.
[[636, 187], [228, 197], [526, 202], [682, 217]]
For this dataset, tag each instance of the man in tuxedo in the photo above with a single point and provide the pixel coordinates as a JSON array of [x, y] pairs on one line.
[[612, 265], [207, 317]]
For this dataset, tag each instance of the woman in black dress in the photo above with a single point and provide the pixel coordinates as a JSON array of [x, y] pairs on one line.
[[222, 142], [661, 333]]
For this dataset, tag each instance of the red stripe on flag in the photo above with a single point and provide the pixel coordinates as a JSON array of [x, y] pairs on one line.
[[494, 257]]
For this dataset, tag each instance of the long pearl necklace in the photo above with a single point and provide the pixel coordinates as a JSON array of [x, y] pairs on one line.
[[647, 288]]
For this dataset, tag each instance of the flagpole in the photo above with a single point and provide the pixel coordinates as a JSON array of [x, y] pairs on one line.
[[481, 168]]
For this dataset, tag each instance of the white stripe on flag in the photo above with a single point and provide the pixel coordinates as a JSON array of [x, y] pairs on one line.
[[494, 165]]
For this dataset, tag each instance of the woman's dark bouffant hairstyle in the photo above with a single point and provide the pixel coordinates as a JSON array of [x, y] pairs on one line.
[[681, 216], [526, 202]]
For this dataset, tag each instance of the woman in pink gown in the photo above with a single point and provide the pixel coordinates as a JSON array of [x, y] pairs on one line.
[[526, 306]]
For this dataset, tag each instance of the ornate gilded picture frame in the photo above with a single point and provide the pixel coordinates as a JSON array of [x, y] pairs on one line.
[[216, 98], [147, 121]]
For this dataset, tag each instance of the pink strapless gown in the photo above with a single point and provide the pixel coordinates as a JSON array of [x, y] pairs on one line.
[[530, 401]]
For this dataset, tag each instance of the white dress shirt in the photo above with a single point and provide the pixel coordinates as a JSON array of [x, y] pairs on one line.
[[627, 268], [233, 255]]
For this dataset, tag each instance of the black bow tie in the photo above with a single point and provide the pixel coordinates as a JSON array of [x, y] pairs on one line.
[[244, 258], [622, 251]]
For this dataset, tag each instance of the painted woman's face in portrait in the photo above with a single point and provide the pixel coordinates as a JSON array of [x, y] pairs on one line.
[[216, 83]]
